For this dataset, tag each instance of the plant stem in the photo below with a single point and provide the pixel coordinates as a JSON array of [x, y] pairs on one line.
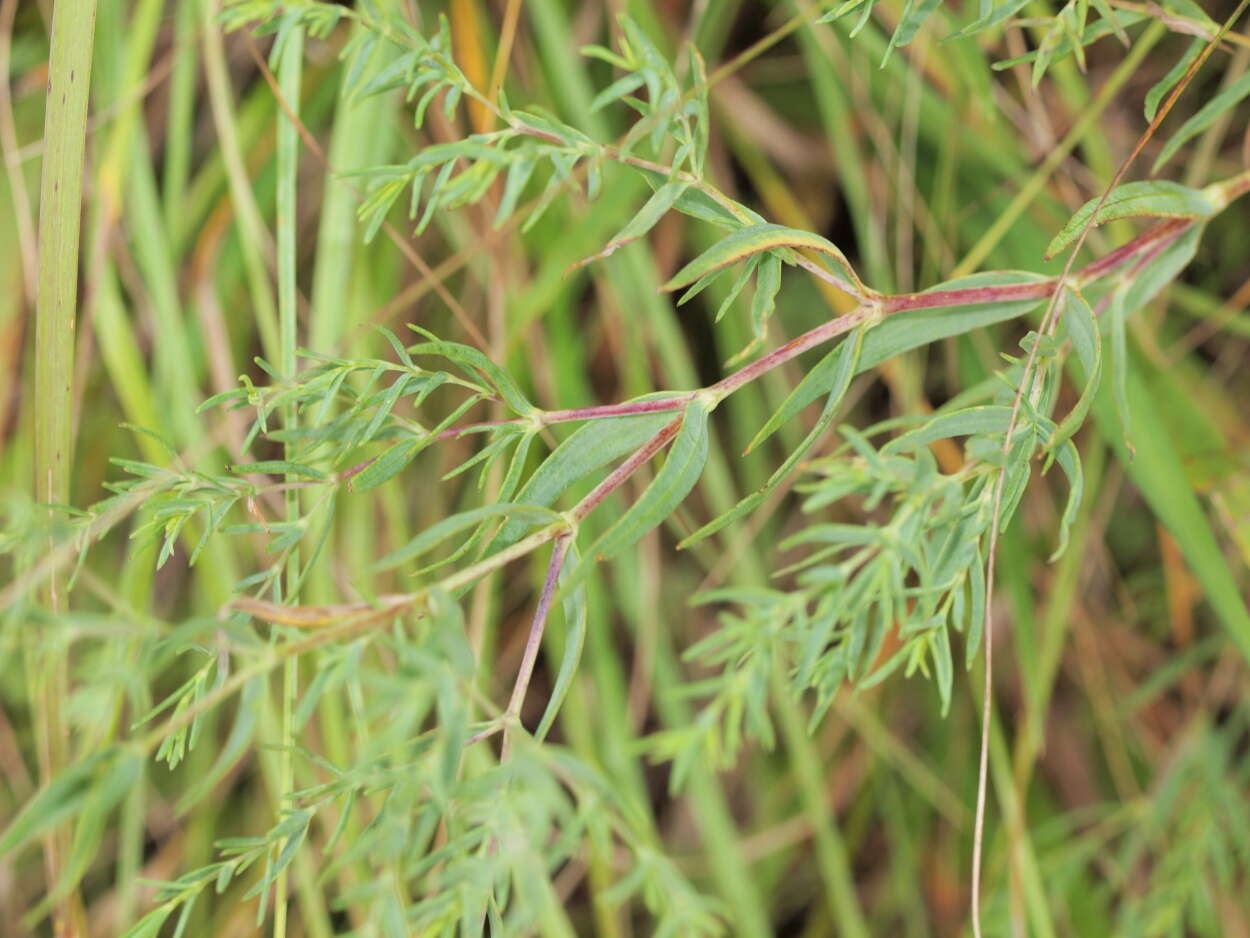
[[60, 207], [290, 70], [533, 643]]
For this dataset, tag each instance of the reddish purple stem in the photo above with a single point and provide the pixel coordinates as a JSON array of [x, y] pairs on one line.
[[535, 640], [627, 409], [625, 470]]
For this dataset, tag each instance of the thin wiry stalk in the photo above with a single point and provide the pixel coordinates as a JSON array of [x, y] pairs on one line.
[[1028, 382], [290, 71]]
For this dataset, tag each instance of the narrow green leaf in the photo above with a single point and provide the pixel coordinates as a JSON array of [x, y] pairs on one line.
[[987, 420], [519, 174], [1207, 115], [943, 667], [999, 13], [431, 537], [1165, 84], [1082, 329], [150, 925], [592, 446], [648, 216], [756, 239], [834, 371], [470, 358], [388, 465], [278, 467], [627, 84], [667, 490], [767, 283], [913, 17], [843, 370], [1156, 198], [976, 607], [1070, 462]]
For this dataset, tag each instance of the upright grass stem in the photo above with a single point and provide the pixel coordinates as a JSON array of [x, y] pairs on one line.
[[290, 71], [60, 206]]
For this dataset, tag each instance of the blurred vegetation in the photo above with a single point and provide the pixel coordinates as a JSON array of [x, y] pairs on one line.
[[263, 654]]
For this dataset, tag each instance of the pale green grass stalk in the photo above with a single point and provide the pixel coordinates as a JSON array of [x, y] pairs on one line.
[[290, 71], [69, 84]]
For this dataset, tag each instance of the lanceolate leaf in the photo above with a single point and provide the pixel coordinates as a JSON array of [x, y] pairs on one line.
[[1149, 199], [1207, 115], [671, 485], [431, 537], [1068, 460], [1082, 329], [767, 283], [660, 202], [903, 332], [470, 358], [759, 238], [999, 13], [1165, 84], [832, 373], [591, 447], [846, 357], [849, 6], [914, 15], [971, 421]]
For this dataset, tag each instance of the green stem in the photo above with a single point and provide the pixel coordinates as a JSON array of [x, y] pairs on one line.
[[290, 71], [60, 206]]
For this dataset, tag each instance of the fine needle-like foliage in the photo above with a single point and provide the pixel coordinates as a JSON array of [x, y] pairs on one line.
[[375, 578]]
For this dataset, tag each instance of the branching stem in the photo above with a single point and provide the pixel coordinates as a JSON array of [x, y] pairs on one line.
[[533, 643]]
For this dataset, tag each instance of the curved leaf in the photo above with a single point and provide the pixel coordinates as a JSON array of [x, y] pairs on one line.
[[756, 239], [1082, 329], [1147, 199], [648, 216], [971, 421]]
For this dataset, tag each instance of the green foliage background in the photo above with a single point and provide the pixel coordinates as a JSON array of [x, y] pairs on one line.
[[261, 656]]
